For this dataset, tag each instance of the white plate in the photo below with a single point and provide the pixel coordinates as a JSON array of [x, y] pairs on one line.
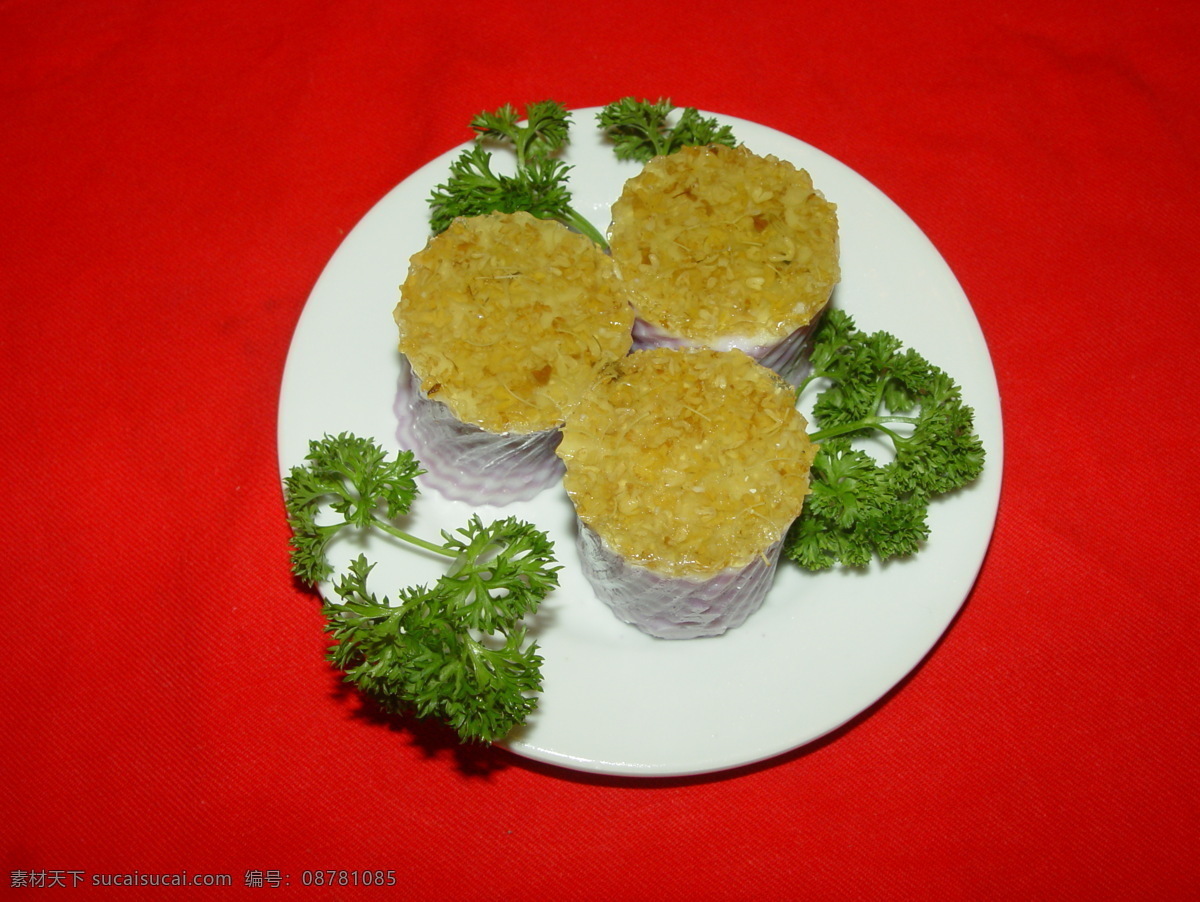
[[823, 647]]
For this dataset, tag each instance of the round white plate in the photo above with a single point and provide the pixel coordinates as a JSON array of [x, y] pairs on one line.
[[823, 648]]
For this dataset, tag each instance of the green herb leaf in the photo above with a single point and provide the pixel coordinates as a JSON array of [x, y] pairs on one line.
[[639, 129], [456, 651], [545, 131], [861, 509], [539, 184], [353, 478]]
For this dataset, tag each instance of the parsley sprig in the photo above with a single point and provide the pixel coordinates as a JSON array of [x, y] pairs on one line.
[[859, 508], [456, 650], [540, 183], [639, 129]]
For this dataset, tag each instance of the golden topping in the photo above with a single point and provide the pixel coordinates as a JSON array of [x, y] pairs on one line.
[[687, 461], [718, 242], [507, 318]]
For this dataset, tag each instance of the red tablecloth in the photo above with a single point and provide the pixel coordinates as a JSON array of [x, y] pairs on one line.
[[175, 177]]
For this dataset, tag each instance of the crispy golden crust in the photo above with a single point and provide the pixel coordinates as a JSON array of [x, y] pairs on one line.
[[687, 461], [718, 241], [507, 318]]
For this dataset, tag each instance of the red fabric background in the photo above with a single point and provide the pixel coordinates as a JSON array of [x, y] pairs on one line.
[[176, 175]]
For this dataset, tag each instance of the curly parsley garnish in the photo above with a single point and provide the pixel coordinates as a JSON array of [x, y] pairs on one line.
[[639, 129], [455, 651], [539, 185], [860, 508]]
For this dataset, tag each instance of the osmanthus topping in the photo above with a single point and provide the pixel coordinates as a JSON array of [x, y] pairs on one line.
[[506, 318], [687, 465], [724, 248]]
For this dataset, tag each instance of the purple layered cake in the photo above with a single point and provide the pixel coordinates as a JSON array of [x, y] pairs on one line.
[[686, 467], [504, 320], [724, 249]]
